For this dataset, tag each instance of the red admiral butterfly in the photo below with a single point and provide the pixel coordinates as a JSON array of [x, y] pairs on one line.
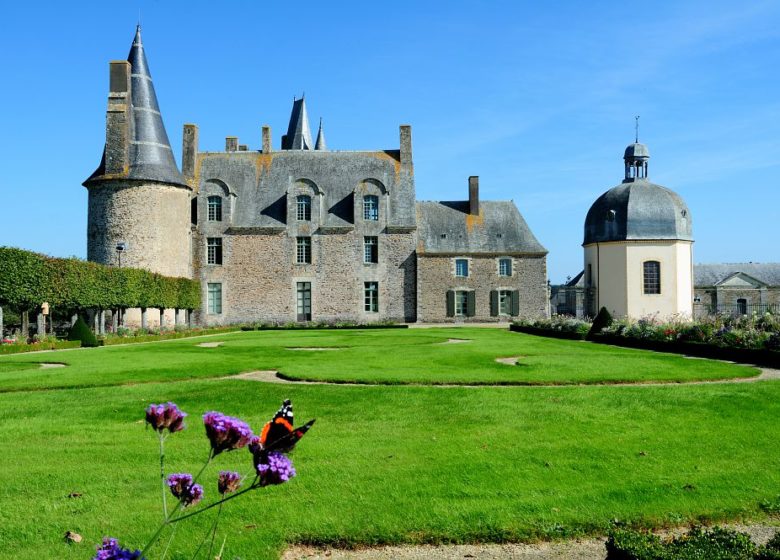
[[278, 434]]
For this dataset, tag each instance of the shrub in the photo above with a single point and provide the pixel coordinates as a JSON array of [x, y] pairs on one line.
[[602, 321], [713, 544], [81, 331]]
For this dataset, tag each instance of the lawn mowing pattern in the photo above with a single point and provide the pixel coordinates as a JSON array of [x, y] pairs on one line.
[[396, 356], [392, 464]]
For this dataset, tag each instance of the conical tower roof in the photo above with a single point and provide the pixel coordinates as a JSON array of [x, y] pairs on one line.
[[320, 143], [150, 154], [298, 135]]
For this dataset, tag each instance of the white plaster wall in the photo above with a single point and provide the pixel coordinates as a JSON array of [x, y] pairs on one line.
[[676, 297]]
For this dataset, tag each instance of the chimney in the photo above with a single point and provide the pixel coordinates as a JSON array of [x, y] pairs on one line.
[[266, 139], [243, 147], [405, 132], [474, 195], [189, 150], [118, 118], [231, 143]]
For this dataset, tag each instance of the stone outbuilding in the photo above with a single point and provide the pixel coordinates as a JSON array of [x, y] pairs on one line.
[[736, 288], [638, 247]]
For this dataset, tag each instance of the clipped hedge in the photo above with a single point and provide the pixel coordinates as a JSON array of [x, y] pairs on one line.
[[37, 346], [136, 338], [28, 279]]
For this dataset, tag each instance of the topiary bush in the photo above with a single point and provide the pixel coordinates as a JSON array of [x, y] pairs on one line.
[[601, 322], [81, 331]]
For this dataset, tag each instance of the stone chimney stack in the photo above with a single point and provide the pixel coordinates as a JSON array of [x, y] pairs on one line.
[[267, 139], [189, 150], [474, 195], [231, 143], [118, 118], [405, 132]]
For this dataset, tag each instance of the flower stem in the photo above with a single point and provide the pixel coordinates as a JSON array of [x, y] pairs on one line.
[[176, 508], [214, 533], [215, 504], [162, 478], [170, 540]]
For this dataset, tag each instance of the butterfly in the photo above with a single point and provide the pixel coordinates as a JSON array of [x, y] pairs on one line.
[[278, 433]]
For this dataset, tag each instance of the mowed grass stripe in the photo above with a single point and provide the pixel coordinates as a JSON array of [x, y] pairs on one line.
[[372, 356], [393, 464]]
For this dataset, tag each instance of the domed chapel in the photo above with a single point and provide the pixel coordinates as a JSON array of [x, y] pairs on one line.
[[638, 247]]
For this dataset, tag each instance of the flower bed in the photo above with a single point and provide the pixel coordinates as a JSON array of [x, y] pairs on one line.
[[16, 348], [748, 339], [323, 325], [151, 336]]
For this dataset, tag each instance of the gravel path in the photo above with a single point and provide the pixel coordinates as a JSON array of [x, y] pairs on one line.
[[581, 549]]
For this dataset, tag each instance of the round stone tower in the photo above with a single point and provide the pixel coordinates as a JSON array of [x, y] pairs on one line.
[[638, 247], [139, 203]]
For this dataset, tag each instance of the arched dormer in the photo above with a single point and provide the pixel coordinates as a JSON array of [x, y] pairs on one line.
[[372, 202], [216, 202], [304, 204]]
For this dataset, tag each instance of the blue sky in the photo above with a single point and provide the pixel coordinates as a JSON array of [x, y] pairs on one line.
[[537, 98]]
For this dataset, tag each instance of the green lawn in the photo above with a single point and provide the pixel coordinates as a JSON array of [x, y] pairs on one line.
[[383, 464], [373, 356]]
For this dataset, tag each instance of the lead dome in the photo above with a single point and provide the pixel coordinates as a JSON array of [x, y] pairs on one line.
[[637, 209]]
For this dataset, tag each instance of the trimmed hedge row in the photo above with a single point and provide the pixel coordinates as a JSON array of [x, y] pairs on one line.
[[49, 345], [322, 326], [28, 279], [761, 357]]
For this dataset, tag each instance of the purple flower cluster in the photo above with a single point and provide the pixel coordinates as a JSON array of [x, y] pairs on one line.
[[274, 468], [225, 432], [165, 416], [182, 488], [110, 550], [228, 482]]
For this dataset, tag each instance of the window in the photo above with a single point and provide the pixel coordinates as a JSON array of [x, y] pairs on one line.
[[214, 250], [504, 302], [215, 299], [371, 297], [505, 267], [303, 300], [370, 207], [461, 303], [589, 279], [652, 277], [461, 267], [303, 206], [215, 208], [303, 250], [370, 249]]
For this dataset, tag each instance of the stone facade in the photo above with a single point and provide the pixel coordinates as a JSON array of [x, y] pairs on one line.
[[736, 289], [152, 220], [436, 275], [298, 233]]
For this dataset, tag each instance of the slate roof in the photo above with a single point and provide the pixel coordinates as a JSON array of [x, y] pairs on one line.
[[298, 135], [636, 210], [705, 275], [448, 228], [150, 157]]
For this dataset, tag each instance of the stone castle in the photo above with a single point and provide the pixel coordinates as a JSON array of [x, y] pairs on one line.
[[302, 233]]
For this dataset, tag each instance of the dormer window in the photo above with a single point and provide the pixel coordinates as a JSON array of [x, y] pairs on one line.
[[303, 208], [215, 208], [371, 207], [610, 215]]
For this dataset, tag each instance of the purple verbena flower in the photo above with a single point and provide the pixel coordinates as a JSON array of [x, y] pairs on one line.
[[274, 468], [110, 550], [182, 488], [225, 432], [228, 482], [165, 416]]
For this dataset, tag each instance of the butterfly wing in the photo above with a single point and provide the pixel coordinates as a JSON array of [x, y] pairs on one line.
[[286, 443], [280, 426]]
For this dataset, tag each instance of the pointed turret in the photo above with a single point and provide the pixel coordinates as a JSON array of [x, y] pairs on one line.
[[320, 143], [298, 135], [145, 148]]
